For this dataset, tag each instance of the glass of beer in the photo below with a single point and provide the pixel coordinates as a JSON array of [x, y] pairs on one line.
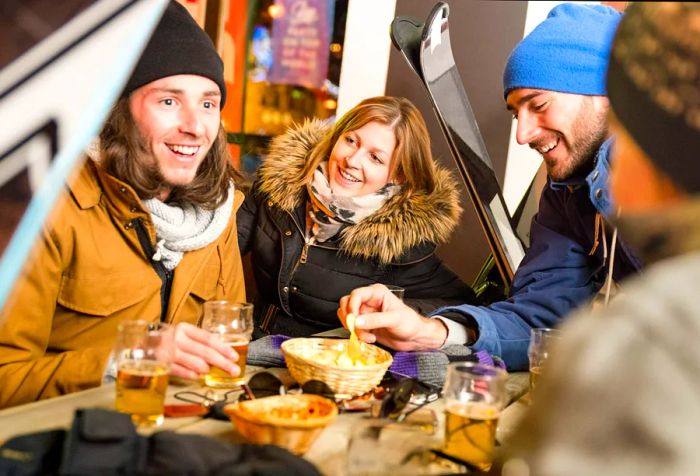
[[539, 351], [143, 353], [232, 322], [397, 291], [474, 396]]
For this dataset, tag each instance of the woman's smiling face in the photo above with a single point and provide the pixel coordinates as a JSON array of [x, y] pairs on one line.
[[360, 162]]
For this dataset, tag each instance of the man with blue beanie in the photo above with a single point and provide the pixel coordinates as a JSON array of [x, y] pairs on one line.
[[554, 84], [625, 401]]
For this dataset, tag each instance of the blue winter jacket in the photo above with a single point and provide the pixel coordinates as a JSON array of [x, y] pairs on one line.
[[558, 273]]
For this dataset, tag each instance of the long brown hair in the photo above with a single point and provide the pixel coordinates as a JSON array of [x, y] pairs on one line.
[[412, 162], [124, 154]]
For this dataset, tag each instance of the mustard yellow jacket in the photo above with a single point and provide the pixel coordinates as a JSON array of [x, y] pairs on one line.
[[89, 272]]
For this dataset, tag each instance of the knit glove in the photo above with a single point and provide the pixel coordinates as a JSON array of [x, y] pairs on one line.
[[431, 366], [265, 352]]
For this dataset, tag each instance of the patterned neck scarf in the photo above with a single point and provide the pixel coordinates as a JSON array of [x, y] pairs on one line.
[[329, 213], [181, 228]]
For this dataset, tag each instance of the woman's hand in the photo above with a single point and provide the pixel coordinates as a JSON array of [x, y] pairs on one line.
[[197, 350], [384, 318]]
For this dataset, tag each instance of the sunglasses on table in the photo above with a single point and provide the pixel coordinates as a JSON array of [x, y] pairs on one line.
[[266, 384], [401, 396], [389, 400], [260, 385]]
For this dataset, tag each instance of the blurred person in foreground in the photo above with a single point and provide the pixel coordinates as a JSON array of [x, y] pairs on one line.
[[145, 230], [554, 85], [622, 395]]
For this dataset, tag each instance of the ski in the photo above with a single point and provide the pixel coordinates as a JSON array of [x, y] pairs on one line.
[[428, 51]]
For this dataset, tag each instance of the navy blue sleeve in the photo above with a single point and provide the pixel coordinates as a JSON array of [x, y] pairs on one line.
[[556, 275]]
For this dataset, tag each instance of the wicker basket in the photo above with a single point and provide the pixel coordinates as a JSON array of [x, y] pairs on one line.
[[290, 421], [345, 382]]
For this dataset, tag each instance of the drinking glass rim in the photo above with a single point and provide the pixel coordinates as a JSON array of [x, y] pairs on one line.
[[544, 330], [150, 326], [222, 302], [493, 371], [394, 287]]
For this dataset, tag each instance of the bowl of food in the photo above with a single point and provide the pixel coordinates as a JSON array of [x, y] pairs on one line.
[[327, 360], [290, 421]]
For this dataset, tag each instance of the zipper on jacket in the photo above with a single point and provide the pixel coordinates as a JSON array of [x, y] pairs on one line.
[[304, 253], [165, 275], [305, 250], [302, 259]]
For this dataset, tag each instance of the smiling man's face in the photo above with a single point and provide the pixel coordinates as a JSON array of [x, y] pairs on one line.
[[178, 118], [566, 129]]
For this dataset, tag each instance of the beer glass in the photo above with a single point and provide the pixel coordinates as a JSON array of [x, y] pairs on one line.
[[474, 396], [397, 291], [143, 353], [232, 322], [539, 350]]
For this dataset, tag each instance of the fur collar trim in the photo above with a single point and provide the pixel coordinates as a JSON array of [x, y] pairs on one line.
[[405, 221]]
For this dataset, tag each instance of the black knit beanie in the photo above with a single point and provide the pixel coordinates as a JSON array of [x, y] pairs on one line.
[[654, 85], [178, 46]]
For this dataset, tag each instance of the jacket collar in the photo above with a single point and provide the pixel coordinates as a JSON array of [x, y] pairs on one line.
[[92, 183], [597, 181], [84, 188], [93, 186], [405, 221]]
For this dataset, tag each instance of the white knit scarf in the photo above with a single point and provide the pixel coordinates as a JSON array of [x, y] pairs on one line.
[[181, 228], [329, 212]]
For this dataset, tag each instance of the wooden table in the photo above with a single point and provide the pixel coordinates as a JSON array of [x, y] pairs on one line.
[[327, 453]]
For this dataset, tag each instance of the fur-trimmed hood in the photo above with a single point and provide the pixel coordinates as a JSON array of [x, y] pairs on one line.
[[405, 221]]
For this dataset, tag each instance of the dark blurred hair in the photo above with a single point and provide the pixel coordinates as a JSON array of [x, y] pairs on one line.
[[124, 154]]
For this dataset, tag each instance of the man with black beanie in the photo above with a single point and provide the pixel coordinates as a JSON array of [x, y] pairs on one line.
[[626, 401], [145, 230]]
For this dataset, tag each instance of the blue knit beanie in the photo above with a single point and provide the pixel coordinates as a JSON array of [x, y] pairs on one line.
[[568, 52]]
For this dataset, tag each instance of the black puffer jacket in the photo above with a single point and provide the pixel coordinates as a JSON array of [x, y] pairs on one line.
[[299, 286]]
